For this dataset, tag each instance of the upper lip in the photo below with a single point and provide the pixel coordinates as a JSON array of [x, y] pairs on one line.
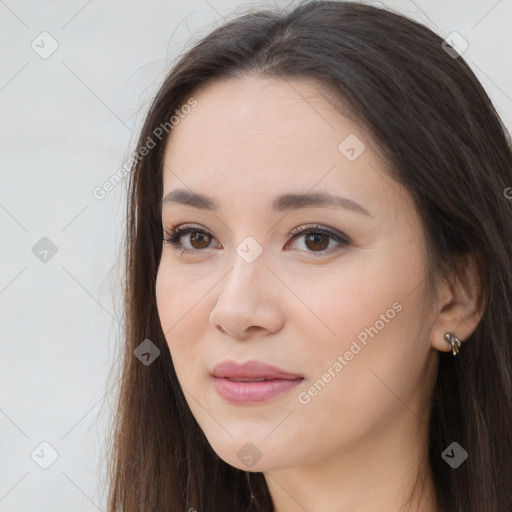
[[251, 370]]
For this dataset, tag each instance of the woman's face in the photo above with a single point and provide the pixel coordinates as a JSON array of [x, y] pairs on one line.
[[342, 312]]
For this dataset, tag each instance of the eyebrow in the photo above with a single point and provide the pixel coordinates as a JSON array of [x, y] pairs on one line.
[[279, 203]]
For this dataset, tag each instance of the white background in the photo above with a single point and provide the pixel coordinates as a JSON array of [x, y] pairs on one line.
[[68, 123]]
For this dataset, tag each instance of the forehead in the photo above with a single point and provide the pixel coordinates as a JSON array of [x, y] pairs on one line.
[[261, 136], [251, 110]]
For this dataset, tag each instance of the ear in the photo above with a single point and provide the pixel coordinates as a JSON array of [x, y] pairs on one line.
[[460, 308]]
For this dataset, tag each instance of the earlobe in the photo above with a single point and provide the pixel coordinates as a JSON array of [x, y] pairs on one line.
[[441, 339]]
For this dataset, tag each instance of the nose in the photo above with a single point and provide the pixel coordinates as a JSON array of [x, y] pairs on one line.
[[248, 302]]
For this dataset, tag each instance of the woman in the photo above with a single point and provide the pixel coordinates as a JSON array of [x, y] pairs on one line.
[[318, 276]]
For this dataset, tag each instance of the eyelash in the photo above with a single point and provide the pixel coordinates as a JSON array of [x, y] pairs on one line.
[[173, 237]]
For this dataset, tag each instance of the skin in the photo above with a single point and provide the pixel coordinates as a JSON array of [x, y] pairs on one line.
[[358, 444]]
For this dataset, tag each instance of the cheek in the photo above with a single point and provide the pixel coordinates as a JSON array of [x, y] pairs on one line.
[[181, 303], [166, 300], [358, 382], [366, 325], [178, 296], [342, 303]]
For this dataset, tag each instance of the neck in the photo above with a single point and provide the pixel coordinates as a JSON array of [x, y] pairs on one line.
[[387, 472]]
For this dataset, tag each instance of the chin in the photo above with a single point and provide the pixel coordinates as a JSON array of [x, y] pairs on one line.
[[248, 453]]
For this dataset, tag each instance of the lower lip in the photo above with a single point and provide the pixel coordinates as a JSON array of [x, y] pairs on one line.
[[247, 392]]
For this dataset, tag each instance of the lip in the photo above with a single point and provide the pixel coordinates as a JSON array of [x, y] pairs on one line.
[[251, 370], [226, 377]]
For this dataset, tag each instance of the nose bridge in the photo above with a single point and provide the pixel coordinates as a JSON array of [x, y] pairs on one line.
[[247, 271]]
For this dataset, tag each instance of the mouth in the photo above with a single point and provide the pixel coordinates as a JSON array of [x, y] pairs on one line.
[[252, 381]]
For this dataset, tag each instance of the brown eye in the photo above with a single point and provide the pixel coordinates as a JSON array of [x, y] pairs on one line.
[[317, 241], [188, 238], [200, 240]]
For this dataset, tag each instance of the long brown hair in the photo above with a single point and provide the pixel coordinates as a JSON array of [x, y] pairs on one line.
[[443, 140]]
